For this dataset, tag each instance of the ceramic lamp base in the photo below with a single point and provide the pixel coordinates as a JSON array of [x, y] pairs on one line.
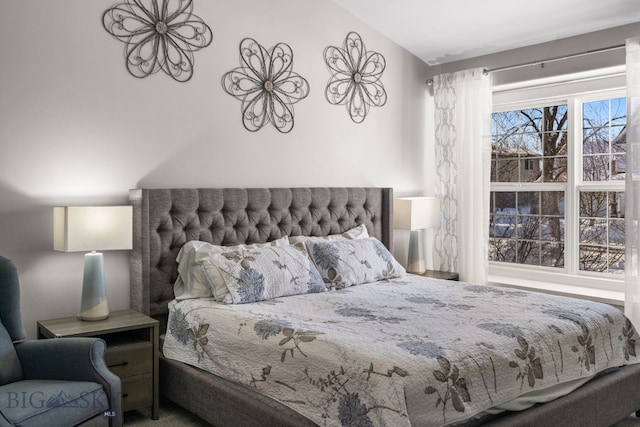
[[94, 304], [416, 263]]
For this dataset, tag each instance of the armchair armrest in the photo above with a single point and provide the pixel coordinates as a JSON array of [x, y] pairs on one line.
[[71, 359]]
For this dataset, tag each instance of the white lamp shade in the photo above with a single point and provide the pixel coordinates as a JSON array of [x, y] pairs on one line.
[[416, 213], [92, 228]]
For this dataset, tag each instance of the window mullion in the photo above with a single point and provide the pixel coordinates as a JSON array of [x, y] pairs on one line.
[[574, 159]]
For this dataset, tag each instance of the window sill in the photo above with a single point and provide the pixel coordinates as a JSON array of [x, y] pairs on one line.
[[612, 297]]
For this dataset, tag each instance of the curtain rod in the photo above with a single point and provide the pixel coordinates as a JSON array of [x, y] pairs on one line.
[[543, 61], [557, 58]]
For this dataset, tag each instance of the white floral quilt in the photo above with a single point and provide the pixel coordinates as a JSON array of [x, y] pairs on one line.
[[408, 351]]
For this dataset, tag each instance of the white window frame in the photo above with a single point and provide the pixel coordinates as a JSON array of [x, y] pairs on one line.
[[572, 90]]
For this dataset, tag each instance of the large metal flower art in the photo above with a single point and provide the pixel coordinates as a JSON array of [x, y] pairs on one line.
[[267, 85], [158, 35], [355, 77]]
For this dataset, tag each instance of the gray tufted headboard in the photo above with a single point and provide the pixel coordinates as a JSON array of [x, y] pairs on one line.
[[165, 219]]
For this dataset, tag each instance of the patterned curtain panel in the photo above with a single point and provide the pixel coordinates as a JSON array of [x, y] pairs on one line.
[[632, 190], [463, 156]]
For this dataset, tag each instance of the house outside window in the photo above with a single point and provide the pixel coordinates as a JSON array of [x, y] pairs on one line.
[[557, 188], [529, 165]]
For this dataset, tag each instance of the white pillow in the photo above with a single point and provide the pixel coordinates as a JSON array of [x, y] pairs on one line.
[[191, 282], [265, 273], [344, 263], [359, 232]]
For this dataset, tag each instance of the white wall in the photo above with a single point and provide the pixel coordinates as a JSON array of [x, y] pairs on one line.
[[76, 128]]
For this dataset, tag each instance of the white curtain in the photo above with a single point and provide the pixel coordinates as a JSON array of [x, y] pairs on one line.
[[632, 190], [463, 156]]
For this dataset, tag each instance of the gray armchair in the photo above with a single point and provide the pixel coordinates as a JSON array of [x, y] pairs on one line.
[[56, 382]]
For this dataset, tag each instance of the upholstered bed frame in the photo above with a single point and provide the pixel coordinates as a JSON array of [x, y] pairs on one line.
[[165, 219]]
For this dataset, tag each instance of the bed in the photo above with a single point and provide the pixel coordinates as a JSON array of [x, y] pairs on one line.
[[166, 219]]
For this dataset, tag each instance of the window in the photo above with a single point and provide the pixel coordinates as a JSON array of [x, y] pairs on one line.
[[529, 164], [601, 224], [601, 231], [557, 186]]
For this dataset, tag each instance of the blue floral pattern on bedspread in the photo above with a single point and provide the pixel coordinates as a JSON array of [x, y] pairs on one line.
[[411, 351]]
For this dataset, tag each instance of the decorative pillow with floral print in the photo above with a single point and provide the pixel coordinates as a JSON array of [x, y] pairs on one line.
[[191, 281], [346, 263], [264, 273], [358, 232]]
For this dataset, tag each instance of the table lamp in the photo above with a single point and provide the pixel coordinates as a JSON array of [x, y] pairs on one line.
[[93, 228], [416, 214]]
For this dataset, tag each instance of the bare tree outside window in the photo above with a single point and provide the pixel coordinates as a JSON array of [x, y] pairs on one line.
[[527, 226], [530, 153]]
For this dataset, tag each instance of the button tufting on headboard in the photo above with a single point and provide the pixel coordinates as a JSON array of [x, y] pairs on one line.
[[165, 219]]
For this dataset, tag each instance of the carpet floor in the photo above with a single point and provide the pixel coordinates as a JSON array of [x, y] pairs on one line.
[[171, 415]]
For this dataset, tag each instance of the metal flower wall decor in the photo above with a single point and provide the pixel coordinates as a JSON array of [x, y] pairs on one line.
[[158, 35], [355, 77], [266, 85]]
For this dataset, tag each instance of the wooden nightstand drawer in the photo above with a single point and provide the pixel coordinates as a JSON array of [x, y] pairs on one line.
[[131, 359], [137, 391]]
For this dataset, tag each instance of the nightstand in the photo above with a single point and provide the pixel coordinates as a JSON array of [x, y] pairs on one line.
[[435, 274], [132, 351]]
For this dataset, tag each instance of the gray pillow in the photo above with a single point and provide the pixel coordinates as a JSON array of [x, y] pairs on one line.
[[10, 367]]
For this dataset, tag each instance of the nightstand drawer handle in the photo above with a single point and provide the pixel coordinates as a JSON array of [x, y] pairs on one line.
[[118, 364]]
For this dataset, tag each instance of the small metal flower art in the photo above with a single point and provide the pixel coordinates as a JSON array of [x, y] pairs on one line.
[[355, 77], [158, 35], [267, 85]]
